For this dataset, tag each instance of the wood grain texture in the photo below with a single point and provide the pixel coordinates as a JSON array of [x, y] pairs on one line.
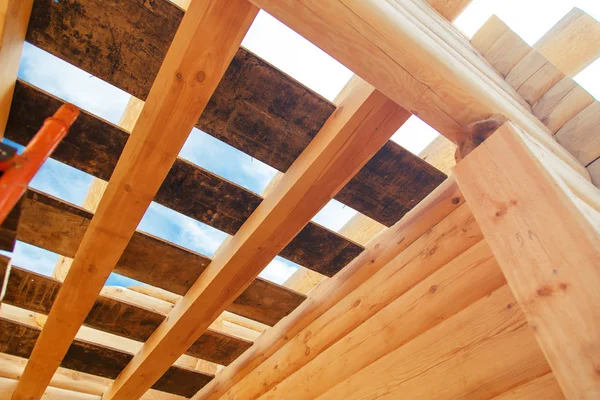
[[204, 45], [581, 135], [18, 340], [545, 387], [14, 18], [561, 103], [59, 227], [573, 43], [450, 237], [452, 360], [362, 124], [8, 229], [547, 249], [94, 146], [594, 169], [448, 85], [37, 293], [449, 9], [380, 251]]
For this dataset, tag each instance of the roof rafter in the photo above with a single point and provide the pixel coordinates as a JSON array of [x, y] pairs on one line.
[[204, 45]]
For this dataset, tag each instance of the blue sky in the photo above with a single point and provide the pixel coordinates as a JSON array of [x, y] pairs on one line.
[[292, 54]]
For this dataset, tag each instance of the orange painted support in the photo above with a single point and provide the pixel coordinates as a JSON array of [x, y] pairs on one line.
[[20, 169]]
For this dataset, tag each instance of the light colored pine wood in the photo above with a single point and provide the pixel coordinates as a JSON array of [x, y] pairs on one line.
[[379, 252], [533, 76], [361, 229], [547, 249], [488, 34], [573, 43], [450, 237], [452, 360], [449, 9], [14, 18], [440, 154], [464, 280], [413, 57], [561, 103], [205, 43], [545, 387], [349, 138], [594, 170], [581, 135], [506, 52], [304, 280], [11, 367]]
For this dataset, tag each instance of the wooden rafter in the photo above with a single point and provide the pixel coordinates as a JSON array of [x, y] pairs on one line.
[[203, 47], [416, 58], [14, 18], [353, 134]]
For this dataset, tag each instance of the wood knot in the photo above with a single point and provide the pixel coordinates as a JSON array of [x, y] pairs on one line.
[[201, 76], [456, 200]]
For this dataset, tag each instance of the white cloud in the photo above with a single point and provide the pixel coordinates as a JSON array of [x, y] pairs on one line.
[[334, 215], [34, 258]]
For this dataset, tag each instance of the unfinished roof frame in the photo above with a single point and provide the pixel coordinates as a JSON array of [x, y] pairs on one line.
[[547, 250]]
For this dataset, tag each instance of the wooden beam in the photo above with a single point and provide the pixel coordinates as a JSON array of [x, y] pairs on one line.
[[414, 57], [449, 9], [450, 237], [18, 339], [205, 43], [540, 225], [35, 292], [14, 18], [545, 387], [379, 252], [573, 43], [581, 135], [342, 147], [452, 359], [467, 278]]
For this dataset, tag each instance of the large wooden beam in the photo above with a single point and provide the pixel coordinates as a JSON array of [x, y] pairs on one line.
[[543, 227], [573, 43], [205, 43], [14, 18], [379, 252], [416, 58], [352, 135]]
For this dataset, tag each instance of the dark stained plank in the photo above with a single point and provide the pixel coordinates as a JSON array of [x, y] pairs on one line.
[[94, 146], [18, 340], [31, 291], [390, 184], [4, 261], [57, 226], [8, 229], [121, 42], [256, 107]]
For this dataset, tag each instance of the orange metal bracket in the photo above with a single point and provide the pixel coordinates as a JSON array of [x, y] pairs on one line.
[[20, 169]]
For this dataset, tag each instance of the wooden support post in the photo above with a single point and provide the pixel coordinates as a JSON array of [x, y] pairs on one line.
[[573, 43], [14, 18], [533, 218], [205, 43], [349, 138]]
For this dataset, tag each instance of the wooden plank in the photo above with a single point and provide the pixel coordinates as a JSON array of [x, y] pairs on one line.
[[59, 227], [459, 350], [540, 81], [94, 145], [14, 18], [7, 387], [35, 292], [466, 279], [18, 340], [561, 103], [8, 229], [547, 249], [445, 199], [359, 128], [449, 9], [506, 52], [581, 135], [450, 237], [594, 169], [573, 43], [447, 85], [544, 387], [11, 367], [488, 34], [205, 44]]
